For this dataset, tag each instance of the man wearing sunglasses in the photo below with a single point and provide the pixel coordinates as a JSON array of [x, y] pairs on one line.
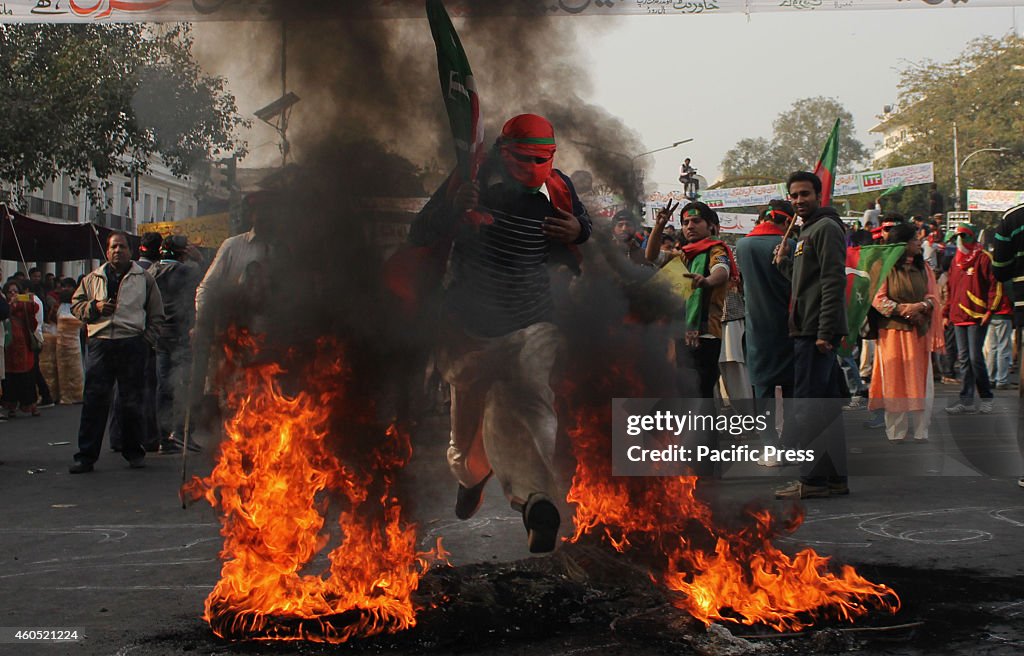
[[500, 342]]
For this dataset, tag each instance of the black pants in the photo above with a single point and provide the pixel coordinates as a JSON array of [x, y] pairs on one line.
[[949, 358], [702, 360], [818, 413], [150, 436], [120, 361], [45, 397]]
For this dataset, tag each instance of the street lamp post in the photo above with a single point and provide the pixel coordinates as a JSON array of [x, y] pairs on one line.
[[633, 173], [956, 169], [957, 164], [632, 162], [658, 150]]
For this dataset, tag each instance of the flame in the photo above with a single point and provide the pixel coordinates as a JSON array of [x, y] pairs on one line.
[[717, 573], [277, 480]]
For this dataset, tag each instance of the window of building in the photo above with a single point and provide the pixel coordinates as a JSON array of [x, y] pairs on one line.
[[159, 209], [147, 208], [171, 216]]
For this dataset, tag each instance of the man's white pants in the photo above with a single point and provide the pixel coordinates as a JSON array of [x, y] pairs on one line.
[[503, 414]]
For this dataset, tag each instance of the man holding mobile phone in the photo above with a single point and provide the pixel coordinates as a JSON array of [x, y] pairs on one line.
[[120, 304]]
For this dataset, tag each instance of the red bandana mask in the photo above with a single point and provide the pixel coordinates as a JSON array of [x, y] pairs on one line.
[[527, 145]]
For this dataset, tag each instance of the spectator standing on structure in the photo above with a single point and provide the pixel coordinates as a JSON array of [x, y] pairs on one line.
[[688, 176]]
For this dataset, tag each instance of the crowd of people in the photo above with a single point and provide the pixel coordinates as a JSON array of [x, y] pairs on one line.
[[118, 336], [764, 323], [763, 326], [940, 317], [146, 322], [41, 361]]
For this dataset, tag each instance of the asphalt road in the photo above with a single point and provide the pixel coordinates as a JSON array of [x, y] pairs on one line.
[[113, 554]]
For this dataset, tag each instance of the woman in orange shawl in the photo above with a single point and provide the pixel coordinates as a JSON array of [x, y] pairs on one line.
[[909, 331]]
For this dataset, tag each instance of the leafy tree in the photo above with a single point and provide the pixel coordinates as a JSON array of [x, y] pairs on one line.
[[981, 90], [93, 100], [798, 136]]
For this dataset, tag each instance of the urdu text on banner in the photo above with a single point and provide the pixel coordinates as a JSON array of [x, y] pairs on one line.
[[70, 11], [993, 200]]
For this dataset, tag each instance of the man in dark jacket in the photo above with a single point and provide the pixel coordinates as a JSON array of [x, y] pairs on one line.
[[817, 323], [177, 281], [767, 293]]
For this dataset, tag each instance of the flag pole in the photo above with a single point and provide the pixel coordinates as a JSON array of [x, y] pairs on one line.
[[789, 230], [827, 159]]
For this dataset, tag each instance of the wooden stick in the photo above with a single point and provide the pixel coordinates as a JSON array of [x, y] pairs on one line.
[[789, 230], [184, 450]]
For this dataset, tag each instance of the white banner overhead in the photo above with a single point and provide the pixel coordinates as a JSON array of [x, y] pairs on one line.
[[993, 200], [67, 11], [912, 174], [846, 185]]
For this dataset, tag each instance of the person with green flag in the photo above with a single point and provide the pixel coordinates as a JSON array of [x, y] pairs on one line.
[[499, 342], [817, 323]]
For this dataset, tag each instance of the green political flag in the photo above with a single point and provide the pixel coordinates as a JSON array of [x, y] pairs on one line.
[[866, 269]]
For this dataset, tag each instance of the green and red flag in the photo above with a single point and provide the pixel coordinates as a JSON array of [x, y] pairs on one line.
[[412, 273], [825, 169], [866, 269], [458, 90]]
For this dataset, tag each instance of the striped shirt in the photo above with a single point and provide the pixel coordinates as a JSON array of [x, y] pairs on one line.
[[500, 278], [499, 272]]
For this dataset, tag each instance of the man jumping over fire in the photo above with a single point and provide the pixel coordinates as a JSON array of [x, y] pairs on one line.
[[500, 344]]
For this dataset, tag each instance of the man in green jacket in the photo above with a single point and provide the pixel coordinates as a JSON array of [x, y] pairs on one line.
[[817, 323]]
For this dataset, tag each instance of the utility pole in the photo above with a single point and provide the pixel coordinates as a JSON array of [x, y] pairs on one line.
[[956, 168], [285, 146]]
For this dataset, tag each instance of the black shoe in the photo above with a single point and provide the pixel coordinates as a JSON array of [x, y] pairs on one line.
[[468, 499], [80, 468], [169, 448], [137, 463], [542, 521]]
